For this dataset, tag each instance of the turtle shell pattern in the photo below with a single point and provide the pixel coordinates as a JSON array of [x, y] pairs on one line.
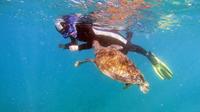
[[117, 66]]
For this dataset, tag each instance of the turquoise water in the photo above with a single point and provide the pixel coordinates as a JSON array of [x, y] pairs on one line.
[[37, 76]]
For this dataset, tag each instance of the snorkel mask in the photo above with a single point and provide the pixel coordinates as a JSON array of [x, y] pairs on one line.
[[65, 28], [60, 25]]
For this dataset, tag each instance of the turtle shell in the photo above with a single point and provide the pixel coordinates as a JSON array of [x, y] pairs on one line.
[[117, 66]]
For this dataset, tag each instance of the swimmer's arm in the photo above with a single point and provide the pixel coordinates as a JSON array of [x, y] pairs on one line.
[[67, 45], [85, 46], [64, 46], [73, 41], [75, 47]]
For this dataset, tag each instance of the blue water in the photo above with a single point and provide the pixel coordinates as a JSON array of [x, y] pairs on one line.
[[37, 76]]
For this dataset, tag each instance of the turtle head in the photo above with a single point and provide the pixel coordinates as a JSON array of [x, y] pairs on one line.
[[144, 87]]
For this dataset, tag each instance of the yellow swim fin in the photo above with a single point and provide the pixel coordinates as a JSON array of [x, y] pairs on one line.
[[160, 68]]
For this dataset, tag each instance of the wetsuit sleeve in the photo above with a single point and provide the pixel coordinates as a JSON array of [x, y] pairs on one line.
[[85, 46], [82, 46], [66, 46], [73, 41]]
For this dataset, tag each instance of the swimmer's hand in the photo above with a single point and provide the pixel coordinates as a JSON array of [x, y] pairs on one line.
[[161, 69], [62, 46], [73, 47]]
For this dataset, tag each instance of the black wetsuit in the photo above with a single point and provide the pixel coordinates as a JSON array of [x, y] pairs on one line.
[[87, 33]]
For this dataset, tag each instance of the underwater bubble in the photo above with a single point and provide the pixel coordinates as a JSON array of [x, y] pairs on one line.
[[180, 85], [176, 2], [161, 104], [189, 2], [21, 1], [42, 43]]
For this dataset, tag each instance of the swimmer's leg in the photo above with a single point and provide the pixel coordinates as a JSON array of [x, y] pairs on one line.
[[160, 68], [129, 36], [135, 48], [78, 63]]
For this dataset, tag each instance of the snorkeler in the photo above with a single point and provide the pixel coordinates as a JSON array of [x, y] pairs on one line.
[[83, 29]]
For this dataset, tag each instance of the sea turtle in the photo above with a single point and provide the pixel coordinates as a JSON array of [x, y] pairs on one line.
[[117, 66]]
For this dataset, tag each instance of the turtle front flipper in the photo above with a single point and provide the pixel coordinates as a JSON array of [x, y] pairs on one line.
[[78, 63], [161, 69], [127, 85]]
